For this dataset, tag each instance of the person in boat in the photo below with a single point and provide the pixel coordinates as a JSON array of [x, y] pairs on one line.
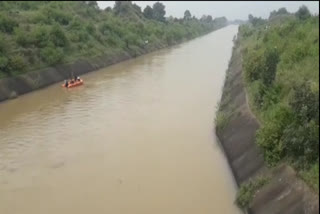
[[66, 83], [78, 78]]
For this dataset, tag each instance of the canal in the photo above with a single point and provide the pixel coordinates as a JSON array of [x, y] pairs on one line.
[[137, 138]]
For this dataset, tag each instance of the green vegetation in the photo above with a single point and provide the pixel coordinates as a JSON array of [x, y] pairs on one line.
[[247, 191], [221, 120], [311, 176], [281, 71], [40, 34]]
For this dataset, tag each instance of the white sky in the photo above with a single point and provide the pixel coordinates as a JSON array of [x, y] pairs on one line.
[[230, 9]]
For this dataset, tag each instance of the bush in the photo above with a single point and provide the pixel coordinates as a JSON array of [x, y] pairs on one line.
[[12, 64], [4, 64], [270, 135], [51, 54], [262, 65], [301, 141], [311, 176], [90, 29], [75, 24], [7, 24], [3, 44], [253, 65], [271, 97], [58, 37], [221, 120], [305, 103], [40, 36], [16, 64], [22, 37], [257, 91], [268, 73], [247, 191]]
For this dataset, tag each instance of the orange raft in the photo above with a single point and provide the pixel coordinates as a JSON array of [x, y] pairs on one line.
[[73, 83]]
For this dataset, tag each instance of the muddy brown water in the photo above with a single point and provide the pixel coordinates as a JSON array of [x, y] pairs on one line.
[[137, 138]]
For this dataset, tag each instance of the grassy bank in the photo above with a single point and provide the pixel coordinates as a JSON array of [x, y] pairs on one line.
[[281, 72], [35, 35]]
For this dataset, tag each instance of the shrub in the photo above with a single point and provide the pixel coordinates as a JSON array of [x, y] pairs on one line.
[[16, 64], [305, 103], [22, 37], [4, 64], [12, 64], [90, 29], [254, 63], [51, 54], [301, 141], [75, 24], [257, 91], [268, 73], [271, 97], [2, 44], [40, 36], [58, 37], [247, 191], [221, 120], [7, 24], [270, 135], [311, 176]]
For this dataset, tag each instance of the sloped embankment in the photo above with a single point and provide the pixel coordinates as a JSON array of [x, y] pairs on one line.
[[236, 128], [12, 87]]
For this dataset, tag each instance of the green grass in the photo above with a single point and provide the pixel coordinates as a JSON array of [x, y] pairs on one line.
[[311, 177], [221, 120], [247, 191]]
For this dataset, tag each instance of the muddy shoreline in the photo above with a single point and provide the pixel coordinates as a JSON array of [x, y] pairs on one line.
[[285, 193]]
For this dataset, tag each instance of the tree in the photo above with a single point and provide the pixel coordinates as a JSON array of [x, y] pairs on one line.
[[281, 11], [122, 7], [305, 103], [148, 12], [303, 13], [220, 21], [255, 20], [203, 18], [187, 15], [209, 18], [108, 9], [250, 17], [92, 4], [137, 8], [159, 11]]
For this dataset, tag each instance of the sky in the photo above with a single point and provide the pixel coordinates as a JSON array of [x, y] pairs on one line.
[[230, 9]]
